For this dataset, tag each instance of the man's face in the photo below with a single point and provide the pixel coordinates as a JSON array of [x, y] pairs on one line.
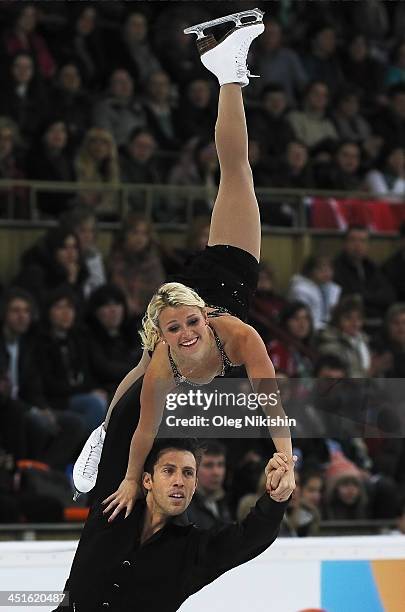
[[317, 99], [275, 103], [348, 158], [62, 314], [172, 485], [110, 315], [18, 316], [356, 244], [121, 85], [211, 473], [396, 328]]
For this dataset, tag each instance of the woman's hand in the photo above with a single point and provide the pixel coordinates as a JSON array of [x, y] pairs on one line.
[[124, 497]]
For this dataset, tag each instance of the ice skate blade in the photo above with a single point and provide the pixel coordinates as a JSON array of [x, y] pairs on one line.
[[235, 17], [76, 495]]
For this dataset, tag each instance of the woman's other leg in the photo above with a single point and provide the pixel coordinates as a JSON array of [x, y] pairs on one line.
[[235, 218]]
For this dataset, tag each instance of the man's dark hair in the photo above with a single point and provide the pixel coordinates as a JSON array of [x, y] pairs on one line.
[[74, 218], [164, 444], [313, 262], [272, 88], [212, 447], [332, 362], [347, 305], [17, 293]]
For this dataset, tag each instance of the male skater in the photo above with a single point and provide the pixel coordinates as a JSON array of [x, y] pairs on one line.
[[153, 560]]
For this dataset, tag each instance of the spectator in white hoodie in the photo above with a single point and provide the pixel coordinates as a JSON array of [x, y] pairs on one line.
[[314, 287]]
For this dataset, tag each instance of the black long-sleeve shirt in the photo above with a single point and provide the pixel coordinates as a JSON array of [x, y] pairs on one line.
[[166, 569]]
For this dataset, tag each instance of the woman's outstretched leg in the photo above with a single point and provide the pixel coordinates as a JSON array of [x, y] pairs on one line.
[[235, 218]]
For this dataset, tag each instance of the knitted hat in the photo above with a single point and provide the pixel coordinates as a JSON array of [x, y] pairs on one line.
[[340, 468]]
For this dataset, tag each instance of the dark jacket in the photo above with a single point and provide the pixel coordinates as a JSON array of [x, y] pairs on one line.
[[393, 269], [273, 133], [387, 124], [372, 286], [40, 273], [112, 357], [42, 166], [174, 563], [65, 367], [203, 517], [29, 385]]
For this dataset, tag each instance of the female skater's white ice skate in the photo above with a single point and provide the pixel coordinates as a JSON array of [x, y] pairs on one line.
[[226, 58], [85, 469]]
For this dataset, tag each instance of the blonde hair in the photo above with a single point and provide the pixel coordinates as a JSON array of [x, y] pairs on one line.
[[86, 165], [169, 294]]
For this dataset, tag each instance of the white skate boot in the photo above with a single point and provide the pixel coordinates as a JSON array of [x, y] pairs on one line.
[[226, 58], [86, 467]]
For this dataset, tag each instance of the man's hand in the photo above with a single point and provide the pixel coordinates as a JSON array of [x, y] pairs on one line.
[[124, 497]]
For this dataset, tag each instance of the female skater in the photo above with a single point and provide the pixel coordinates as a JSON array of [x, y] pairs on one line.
[[193, 330]]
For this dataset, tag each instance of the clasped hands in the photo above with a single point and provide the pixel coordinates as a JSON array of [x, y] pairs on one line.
[[280, 481]]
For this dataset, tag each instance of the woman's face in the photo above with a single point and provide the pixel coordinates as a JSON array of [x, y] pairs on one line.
[[351, 323], [184, 328], [62, 314], [297, 156], [136, 27], [311, 491], [299, 325], [199, 93], [69, 252], [323, 273], [23, 69], [86, 23], [137, 238], [396, 328], [56, 136], [86, 233], [348, 491], [110, 315], [99, 147], [69, 78], [265, 282], [27, 20]]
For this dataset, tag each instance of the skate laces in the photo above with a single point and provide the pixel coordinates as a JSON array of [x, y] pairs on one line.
[[241, 58], [92, 460]]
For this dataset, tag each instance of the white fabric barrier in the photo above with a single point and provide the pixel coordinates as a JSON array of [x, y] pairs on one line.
[[288, 577]]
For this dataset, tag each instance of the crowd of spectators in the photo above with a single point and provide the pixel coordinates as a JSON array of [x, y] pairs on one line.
[[94, 93], [114, 93], [69, 324]]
